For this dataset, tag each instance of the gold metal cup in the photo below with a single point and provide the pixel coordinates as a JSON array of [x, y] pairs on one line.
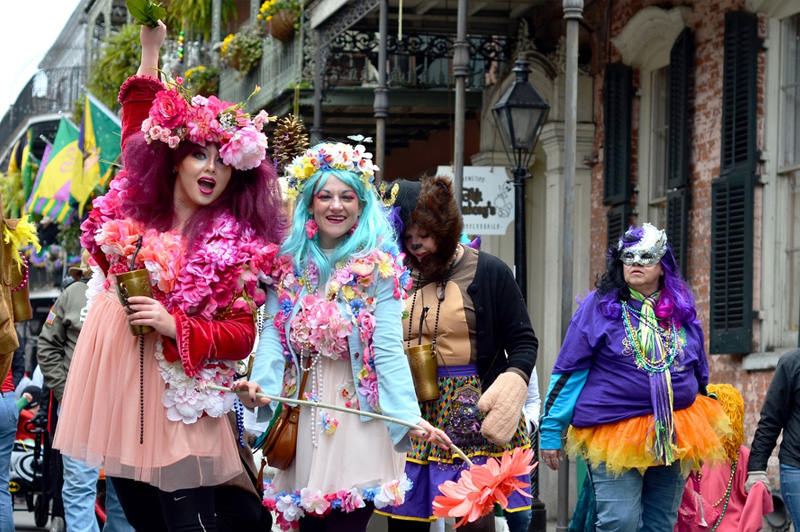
[[422, 360], [20, 298], [130, 284]]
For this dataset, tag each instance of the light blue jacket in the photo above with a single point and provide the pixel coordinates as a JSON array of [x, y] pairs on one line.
[[395, 387]]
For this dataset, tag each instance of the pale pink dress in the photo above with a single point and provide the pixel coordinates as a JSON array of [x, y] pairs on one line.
[[100, 423]]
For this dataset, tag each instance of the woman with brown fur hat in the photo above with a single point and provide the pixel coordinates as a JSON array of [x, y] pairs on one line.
[[466, 304]]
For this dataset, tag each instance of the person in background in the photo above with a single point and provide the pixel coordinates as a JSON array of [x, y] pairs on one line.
[[48, 232], [780, 414], [727, 507], [9, 418], [480, 330], [56, 344], [334, 326], [520, 521], [630, 383]]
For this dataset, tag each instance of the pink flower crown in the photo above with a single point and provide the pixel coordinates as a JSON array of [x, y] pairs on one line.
[[176, 115]]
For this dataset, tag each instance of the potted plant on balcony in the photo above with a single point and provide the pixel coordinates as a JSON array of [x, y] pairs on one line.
[[281, 17], [242, 50], [203, 80]]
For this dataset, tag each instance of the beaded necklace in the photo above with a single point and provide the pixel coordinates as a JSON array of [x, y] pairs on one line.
[[665, 358], [727, 497], [439, 298]]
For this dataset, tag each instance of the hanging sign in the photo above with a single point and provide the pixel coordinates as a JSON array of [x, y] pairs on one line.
[[487, 199]]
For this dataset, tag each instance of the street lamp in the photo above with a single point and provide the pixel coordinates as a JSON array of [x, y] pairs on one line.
[[519, 116]]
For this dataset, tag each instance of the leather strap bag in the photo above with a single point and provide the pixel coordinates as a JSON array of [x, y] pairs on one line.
[[280, 444]]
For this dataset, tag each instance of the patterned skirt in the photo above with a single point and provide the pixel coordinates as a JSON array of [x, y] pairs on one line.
[[455, 412]]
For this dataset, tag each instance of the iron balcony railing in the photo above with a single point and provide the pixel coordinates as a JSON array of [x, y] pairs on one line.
[[420, 61], [48, 91]]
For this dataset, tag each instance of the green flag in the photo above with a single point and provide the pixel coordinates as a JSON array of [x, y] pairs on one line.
[[100, 145]]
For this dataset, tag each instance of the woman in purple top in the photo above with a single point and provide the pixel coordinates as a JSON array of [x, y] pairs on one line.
[[630, 383]]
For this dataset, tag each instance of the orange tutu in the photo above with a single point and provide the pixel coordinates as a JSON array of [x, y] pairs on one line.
[[628, 444]]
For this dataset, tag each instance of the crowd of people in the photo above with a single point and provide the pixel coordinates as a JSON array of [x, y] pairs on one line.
[[349, 280]]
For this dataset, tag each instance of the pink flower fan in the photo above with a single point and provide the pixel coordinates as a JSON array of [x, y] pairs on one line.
[[480, 486]]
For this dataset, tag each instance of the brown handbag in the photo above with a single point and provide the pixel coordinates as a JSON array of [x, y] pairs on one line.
[[281, 441]]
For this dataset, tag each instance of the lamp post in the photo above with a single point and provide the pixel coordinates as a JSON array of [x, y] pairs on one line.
[[519, 116]]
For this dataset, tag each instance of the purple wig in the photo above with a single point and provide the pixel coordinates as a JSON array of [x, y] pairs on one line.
[[252, 196], [676, 299]]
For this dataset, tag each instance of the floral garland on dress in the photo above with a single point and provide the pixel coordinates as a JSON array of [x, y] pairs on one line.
[[220, 276], [290, 507], [353, 281], [320, 325]]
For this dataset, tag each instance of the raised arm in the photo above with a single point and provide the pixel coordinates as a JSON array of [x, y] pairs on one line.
[[151, 39]]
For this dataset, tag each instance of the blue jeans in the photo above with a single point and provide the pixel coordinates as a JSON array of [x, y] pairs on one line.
[[79, 494], [115, 516], [790, 491], [633, 502], [518, 521], [8, 429]]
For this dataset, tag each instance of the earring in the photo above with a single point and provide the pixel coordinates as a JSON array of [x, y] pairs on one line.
[[311, 228], [355, 226]]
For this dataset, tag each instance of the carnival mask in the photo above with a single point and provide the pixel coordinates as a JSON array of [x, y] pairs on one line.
[[648, 251]]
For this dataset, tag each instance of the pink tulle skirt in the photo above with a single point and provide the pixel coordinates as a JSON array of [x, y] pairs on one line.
[[100, 413]]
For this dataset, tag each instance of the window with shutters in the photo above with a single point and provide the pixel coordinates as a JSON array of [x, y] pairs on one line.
[[654, 139], [790, 90]]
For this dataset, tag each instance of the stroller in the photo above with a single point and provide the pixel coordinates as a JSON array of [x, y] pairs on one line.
[[27, 473]]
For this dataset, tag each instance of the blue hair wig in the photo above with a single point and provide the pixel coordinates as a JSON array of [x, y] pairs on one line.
[[373, 232]]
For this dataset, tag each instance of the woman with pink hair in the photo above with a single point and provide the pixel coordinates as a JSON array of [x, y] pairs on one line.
[[198, 207]]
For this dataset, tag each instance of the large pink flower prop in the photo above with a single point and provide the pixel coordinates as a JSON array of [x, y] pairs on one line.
[[479, 487]]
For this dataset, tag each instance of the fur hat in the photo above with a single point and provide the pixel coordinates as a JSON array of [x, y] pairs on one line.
[[430, 205]]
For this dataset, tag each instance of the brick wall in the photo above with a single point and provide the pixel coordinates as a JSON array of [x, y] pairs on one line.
[[707, 22]]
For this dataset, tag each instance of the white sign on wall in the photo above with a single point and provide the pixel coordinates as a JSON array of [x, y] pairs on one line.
[[487, 199]]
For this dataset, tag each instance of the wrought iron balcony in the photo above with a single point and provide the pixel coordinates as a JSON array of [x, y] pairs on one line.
[[419, 61], [49, 91]]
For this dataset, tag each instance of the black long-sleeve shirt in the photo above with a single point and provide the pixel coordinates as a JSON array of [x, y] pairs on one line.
[[781, 412]]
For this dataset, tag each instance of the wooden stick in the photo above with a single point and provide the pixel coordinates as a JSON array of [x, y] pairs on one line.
[[287, 400]]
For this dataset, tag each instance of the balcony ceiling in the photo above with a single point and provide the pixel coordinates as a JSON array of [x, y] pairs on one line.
[[413, 114], [439, 16]]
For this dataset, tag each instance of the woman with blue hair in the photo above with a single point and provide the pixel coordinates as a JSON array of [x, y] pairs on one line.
[[630, 382], [334, 335]]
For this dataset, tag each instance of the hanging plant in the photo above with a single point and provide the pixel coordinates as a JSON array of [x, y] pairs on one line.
[[281, 17], [117, 60], [203, 80], [198, 13], [242, 51]]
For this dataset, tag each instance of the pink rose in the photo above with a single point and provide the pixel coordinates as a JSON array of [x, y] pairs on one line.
[[202, 124], [245, 149], [169, 109]]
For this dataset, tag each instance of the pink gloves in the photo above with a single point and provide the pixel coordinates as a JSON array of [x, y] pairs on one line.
[[503, 403]]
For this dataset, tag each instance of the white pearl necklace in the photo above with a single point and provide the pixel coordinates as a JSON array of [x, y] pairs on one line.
[[316, 393]]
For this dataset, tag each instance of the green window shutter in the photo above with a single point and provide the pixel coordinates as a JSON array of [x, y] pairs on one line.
[[618, 93], [618, 221], [681, 63], [739, 85], [677, 225], [731, 321]]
